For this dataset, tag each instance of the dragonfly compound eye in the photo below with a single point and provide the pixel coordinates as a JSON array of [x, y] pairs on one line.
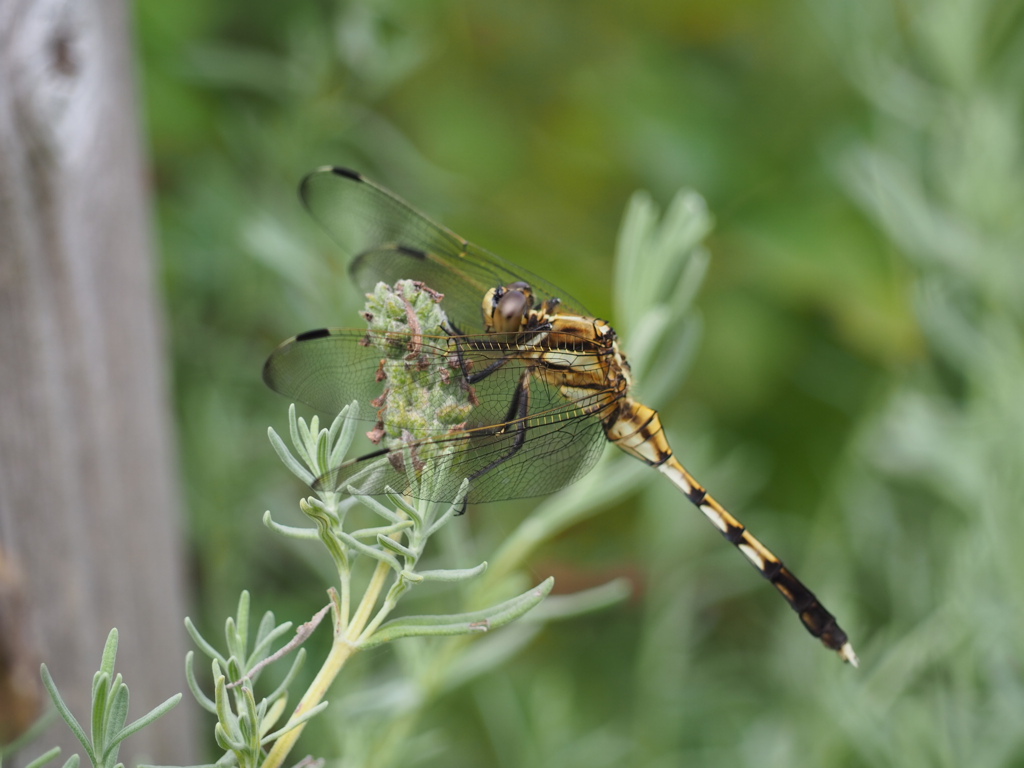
[[510, 307]]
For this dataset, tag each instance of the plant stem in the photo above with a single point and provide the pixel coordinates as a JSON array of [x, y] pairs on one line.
[[340, 652], [343, 647], [362, 614]]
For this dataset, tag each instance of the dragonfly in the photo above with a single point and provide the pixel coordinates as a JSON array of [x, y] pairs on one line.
[[548, 382]]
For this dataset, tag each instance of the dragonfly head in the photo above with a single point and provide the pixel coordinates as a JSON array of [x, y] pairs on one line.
[[506, 307]]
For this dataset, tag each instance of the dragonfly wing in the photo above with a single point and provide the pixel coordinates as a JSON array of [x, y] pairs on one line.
[[506, 455], [329, 368], [561, 439], [557, 452], [326, 369], [559, 448], [363, 216], [463, 290]]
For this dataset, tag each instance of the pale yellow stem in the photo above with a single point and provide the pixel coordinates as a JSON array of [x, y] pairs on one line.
[[366, 605], [341, 649]]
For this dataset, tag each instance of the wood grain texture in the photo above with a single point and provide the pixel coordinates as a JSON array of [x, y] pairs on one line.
[[89, 503]]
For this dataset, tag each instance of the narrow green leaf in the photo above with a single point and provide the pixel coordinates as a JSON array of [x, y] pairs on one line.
[[293, 464], [231, 638], [461, 623], [399, 628], [273, 714], [113, 724], [44, 758], [262, 649], [100, 697], [282, 690], [343, 431], [325, 519], [323, 447], [224, 713], [249, 721], [335, 428], [294, 434], [73, 761], [690, 281], [676, 356], [366, 549], [291, 724], [637, 221], [306, 440], [400, 502], [158, 711], [193, 685], [386, 530], [375, 506], [647, 333], [65, 713], [452, 574], [204, 646], [399, 549], [235, 670], [293, 532], [117, 714], [454, 509], [229, 742], [585, 601], [242, 633], [267, 627], [109, 653]]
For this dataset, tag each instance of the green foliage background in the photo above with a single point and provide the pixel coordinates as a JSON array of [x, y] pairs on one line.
[[857, 398]]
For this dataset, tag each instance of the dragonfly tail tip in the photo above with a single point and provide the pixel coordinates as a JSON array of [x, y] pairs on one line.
[[847, 654]]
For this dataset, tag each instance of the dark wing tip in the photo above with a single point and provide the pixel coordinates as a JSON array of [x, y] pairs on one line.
[[319, 333], [348, 173], [270, 369], [415, 253]]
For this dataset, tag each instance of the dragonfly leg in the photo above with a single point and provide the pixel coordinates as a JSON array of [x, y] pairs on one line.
[[518, 411], [473, 378]]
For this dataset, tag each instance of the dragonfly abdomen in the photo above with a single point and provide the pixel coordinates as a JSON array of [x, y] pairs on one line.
[[815, 617], [637, 430]]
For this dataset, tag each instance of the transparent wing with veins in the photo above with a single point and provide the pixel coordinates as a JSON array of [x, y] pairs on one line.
[[389, 240], [537, 446]]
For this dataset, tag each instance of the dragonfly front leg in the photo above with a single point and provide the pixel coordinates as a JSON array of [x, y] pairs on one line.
[[464, 365], [473, 378], [489, 346]]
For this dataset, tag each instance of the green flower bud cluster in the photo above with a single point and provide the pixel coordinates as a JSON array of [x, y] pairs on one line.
[[425, 394]]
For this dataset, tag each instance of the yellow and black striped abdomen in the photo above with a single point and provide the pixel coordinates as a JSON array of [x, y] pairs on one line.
[[637, 430]]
